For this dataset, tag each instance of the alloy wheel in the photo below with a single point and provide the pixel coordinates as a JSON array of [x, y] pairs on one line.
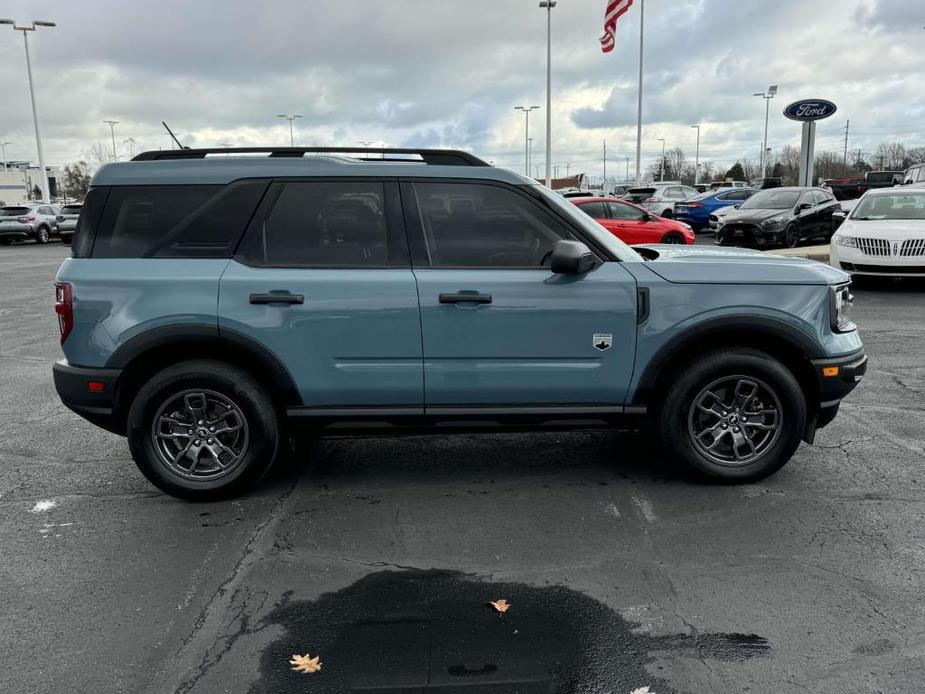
[[200, 434], [791, 236], [735, 420]]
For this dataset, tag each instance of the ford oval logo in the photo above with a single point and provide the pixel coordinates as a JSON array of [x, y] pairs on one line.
[[810, 109]]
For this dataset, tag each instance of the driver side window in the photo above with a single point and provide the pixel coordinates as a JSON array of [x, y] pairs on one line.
[[481, 225]]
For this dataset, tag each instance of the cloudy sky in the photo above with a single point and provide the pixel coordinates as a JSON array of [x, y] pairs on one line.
[[449, 72]]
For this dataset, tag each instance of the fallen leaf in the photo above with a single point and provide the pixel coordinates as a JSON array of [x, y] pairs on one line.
[[501, 605], [642, 690], [305, 663]]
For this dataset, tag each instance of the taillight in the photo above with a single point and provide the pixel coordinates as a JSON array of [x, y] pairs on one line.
[[64, 307], [30, 218], [693, 204]]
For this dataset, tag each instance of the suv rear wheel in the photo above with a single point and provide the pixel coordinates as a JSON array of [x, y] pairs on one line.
[[203, 429], [41, 235], [736, 416]]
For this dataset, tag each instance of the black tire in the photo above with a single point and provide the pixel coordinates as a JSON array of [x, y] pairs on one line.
[[667, 214], [219, 384], [42, 234], [791, 238], [680, 419], [672, 237], [5, 242]]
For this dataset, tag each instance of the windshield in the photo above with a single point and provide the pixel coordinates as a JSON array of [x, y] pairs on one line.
[[771, 200], [71, 209], [892, 206], [588, 225]]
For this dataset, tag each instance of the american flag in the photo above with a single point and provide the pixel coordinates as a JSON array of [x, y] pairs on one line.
[[615, 10]]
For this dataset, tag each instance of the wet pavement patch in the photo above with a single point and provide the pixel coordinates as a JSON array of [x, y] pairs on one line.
[[434, 631]]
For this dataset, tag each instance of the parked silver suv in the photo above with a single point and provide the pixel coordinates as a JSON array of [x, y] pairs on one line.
[[67, 221], [28, 221]]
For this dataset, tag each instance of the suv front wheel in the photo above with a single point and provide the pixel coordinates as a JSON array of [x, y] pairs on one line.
[[203, 429], [736, 416]]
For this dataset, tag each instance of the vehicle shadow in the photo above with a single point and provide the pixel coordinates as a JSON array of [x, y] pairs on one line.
[[588, 454]]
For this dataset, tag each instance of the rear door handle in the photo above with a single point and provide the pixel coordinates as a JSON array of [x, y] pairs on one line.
[[465, 298], [277, 298]]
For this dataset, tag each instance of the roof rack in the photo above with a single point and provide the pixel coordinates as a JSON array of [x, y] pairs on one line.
[[441, 157]]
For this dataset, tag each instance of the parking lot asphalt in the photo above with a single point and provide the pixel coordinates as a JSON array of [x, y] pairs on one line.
[[380, 555]]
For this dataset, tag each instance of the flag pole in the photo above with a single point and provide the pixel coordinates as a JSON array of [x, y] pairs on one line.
[[642, 5]]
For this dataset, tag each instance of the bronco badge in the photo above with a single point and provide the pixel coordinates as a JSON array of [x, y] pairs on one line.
[[602, 341]]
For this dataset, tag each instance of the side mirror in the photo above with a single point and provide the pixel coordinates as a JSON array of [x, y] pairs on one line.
[[645, 217], [572, 258], [802, 206]]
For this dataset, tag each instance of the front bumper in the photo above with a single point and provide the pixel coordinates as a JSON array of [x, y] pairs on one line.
[[837, 376], [96, 403], [733, 234], [856, 262]]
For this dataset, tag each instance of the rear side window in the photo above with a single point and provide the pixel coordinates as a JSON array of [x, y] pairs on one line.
[[88, 221], [175, 221], [14, 211], [324, 224]]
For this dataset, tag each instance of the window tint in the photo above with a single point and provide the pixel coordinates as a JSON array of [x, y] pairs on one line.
[[88, 221], [71, 209], [593, 209], [820, 197], [688, 192], [322, 224], [674, 192], [735, 195], [138, 217], [624, 212], [480, 225], [807, 197]]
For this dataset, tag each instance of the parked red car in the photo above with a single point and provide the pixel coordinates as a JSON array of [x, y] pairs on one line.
[[632, 224]]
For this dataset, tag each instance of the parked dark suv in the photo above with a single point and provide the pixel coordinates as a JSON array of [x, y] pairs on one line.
[[214, 304], [780, 217]]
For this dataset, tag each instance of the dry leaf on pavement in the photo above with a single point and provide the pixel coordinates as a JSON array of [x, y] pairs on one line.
[[305, 663], [642, 690], [501, 605]]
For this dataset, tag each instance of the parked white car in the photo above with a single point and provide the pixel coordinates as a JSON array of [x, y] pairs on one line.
[[884, 235]]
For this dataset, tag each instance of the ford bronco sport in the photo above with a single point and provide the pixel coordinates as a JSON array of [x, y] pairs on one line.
[[216, 304]]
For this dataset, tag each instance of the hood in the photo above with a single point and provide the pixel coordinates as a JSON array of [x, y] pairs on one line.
[[757, 214], [890, 229], [721, 265]]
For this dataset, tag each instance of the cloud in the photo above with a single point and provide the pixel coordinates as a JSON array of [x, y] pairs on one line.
[[448, 73]]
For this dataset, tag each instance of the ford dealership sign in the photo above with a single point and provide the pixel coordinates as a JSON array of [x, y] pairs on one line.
[[809, 109]]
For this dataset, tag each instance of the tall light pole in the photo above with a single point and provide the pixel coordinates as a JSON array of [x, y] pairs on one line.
[[661, 170], [627, 169], [112, 131], [290, 117], [642, 16], [548, 5], [772, 91], [697, 157], [526, 110], [46, 194], [3, 154], [529, 155], [604, 183]]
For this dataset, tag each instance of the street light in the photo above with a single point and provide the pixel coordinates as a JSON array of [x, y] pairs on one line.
[[3, 154], [661, 172], [526, 110], [112, 131], [366, 144], [529, 155], [130, 141], [697, 157], [772, 92], [46, 194], [548, 5], [290, 118]]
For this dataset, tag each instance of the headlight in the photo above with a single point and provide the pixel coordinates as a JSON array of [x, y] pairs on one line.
[[773, 221], [841, 301], [847, 241]]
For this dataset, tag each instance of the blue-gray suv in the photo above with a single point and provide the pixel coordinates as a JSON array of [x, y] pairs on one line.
[[219, 301]]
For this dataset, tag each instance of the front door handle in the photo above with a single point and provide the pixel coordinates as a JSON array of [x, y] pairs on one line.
[[277, 298], [465, 298]]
